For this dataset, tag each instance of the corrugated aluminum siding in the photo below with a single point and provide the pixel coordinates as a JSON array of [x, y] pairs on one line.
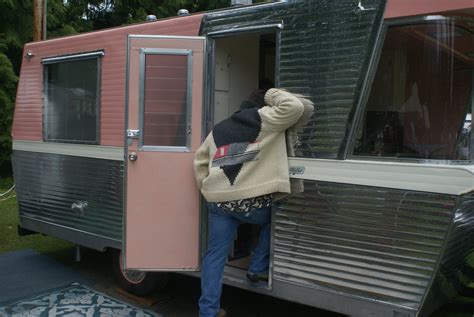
[[376, 243], [48, 184], [456, 262], [27, 123], [324, 53]]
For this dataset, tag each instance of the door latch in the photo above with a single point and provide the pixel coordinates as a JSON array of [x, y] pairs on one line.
[[133, 134]]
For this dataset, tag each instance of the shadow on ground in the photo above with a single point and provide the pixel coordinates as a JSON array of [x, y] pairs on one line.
[[179, 298]]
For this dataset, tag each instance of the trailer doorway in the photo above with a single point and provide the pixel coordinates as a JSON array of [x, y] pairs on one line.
[[242, 63]]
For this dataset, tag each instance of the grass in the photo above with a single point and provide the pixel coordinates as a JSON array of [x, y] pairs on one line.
[[63, 251], [9, 239]]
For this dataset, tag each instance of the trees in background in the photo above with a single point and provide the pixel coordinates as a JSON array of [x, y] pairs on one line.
[[98, 14], [15, 29]]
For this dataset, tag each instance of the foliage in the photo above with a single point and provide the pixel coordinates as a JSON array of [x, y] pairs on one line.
[[8, 81], [15, 27], [98, 14]]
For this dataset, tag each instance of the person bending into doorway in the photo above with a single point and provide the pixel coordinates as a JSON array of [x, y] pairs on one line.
[[242, 169]]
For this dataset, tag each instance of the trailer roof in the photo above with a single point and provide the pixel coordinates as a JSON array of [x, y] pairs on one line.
[[187, 24], [168, 22]]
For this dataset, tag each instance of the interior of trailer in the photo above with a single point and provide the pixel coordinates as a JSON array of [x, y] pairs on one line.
[[243, 64], [422, 96]]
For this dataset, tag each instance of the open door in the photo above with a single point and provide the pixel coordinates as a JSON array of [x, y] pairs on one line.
[[165, 79]]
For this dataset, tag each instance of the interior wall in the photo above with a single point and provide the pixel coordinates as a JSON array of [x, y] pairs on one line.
[[236, 73], [439, 95]]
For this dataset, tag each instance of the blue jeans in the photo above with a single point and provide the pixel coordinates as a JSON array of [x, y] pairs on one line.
[[222, 232]]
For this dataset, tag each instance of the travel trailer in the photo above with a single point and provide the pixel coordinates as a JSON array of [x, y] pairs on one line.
[[106, 125]]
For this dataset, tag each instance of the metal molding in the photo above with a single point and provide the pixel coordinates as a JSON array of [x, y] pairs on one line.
[[159, 51], [83, 238], [80, 150], [72, 57], [443, 179], [254, 28]]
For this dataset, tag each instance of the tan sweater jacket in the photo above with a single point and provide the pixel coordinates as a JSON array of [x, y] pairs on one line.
[[246, 155]]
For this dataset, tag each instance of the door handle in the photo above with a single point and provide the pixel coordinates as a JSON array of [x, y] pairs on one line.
[[132, 156]]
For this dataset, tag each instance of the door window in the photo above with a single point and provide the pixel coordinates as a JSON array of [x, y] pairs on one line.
[[165, 96], [422, 97]]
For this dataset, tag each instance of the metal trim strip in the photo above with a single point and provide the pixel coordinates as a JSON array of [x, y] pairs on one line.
[[123, 260], [159, 148], [166, 51], [442, 179], [178, 37], [361, 103], [248, 29], [471, 156], [64, 58], [81, 150], [340, 302], [45, 107], [84, 238]]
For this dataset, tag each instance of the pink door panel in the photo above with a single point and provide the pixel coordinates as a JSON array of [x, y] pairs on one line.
[[162, 218]]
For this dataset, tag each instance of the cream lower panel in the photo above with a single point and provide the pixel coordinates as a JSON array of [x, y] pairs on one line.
[[434, 178], [81, 150]]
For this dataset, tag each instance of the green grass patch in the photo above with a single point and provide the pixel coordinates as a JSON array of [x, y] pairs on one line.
[[11, 241]]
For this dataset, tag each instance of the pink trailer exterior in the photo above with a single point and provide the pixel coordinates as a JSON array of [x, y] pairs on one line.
[[387, 161], [28, 118], [78, 191], [409, 8]]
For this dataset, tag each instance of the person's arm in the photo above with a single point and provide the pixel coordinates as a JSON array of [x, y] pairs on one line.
[[307, 112], [282, 110], [201, 163]]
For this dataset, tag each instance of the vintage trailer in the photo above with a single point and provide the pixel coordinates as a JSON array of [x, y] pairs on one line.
[[106, 125]]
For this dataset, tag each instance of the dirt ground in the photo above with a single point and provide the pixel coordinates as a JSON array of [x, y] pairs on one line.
[[179, 298]]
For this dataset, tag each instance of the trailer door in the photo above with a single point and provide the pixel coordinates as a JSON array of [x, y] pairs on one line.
[[165, 85]]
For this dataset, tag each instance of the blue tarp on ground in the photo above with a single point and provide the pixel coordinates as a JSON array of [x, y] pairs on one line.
[[26, 272]]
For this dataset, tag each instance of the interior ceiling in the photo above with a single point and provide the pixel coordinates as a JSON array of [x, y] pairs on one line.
[[458, 40]]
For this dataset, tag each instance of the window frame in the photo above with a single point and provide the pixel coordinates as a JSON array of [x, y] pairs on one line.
[[358, 119], [72, 58], [165, 51]]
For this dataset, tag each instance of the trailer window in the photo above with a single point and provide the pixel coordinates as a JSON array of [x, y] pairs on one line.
[[421, 100], [165, 99], [71, 103]]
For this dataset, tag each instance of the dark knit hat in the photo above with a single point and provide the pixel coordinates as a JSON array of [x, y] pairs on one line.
[[255, 99]]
